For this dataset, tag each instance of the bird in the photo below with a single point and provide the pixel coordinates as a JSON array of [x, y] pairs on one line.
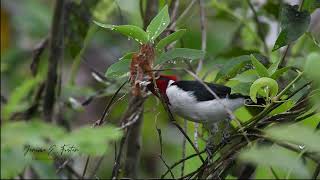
[[191, 100]]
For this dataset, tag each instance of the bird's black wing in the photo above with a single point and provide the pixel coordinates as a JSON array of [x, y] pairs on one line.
[[200, 91]]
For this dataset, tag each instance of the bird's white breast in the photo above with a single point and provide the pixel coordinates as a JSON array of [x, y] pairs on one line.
[[185, 104]]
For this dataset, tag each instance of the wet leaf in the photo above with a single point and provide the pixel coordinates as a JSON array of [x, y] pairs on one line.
[[121, 67], [184, 53], [130, 31], [169, 39], [158, 24]]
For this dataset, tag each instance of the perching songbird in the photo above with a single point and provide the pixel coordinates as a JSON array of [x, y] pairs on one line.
[[192, 100]]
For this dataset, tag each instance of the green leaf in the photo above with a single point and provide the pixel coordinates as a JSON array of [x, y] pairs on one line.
[[232, 67], [283, 107], [293, 25], [131, 31], [91, 141], [185, 53], [279, 72], [261, 70], [158, 24], [13, 162], [241, 87], [34, 133], [314, 36], [237, 51], [169, 39], [276, 156], [121, 67], [274, 66], [300, 135], [16, 135], [312, 67], [311, 5], [44, 169], [16, 97], [247, 77], [264, 86]]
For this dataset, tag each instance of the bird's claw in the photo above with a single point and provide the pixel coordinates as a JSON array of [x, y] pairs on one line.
[[225, 137], [209, 149]]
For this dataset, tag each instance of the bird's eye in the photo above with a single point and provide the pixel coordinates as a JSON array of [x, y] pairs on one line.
[[157, 76]]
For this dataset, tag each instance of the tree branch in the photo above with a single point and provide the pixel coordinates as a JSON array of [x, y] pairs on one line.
[[55, 55]]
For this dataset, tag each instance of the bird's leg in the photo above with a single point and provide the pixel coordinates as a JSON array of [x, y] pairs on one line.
[[210, 146], [225, 133]]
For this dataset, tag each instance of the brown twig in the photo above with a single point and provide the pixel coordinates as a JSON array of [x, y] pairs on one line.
[[164, 162], [316, 172], [181, 161], [282, 61], [141, 9], [259, 26], [106, 110], [116, 165], [134, 110], [185, 126], [85, 167], [36, 53], [183, 14], [99, 123]]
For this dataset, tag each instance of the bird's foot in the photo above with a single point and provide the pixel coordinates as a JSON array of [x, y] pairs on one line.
[[210, 149], [225, 137]]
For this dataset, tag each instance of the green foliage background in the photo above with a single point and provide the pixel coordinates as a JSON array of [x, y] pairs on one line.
[[96, 63]]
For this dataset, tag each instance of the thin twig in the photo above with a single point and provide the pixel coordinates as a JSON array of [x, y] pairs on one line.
[[316, 172], [96, 168], [282, 61], [36, 53], [106, 110], [181, 161], [185, 126], [173, 10], [184, 13], [141, 9], [100, 122], [189, 140], [203, 28], [116, 165], [254, 120], [203, 48], [274, 173], [70, 169], [164, 162], [259, 26], [85, 167]]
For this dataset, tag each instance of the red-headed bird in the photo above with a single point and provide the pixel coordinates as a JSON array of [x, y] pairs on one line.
[[193, 101]]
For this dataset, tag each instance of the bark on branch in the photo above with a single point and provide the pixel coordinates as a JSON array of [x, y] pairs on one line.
[[55, 55]]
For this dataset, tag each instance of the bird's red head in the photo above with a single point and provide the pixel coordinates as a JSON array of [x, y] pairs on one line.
[[162, 83]]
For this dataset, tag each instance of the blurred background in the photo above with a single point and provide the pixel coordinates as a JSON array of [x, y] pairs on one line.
[[26, 23]]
